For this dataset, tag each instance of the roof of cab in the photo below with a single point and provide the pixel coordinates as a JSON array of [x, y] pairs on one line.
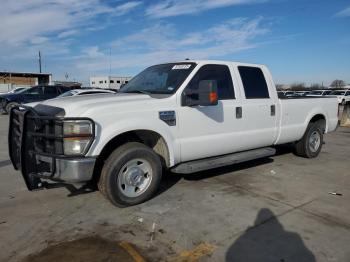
[[219, 62]]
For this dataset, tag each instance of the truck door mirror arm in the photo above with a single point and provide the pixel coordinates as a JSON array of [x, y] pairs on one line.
[[205, 95]]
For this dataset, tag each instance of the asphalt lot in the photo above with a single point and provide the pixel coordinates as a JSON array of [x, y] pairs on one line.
[[274, 209]]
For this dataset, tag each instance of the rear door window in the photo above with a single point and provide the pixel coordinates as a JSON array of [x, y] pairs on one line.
[[38, 90], [254, 82], [50, 91]]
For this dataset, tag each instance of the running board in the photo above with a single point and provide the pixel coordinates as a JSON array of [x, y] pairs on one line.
[[219, 161]]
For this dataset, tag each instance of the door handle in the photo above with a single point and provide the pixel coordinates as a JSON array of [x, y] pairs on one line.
[[273, 110], [238, 112]]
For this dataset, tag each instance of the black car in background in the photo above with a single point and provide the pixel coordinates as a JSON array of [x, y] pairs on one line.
[[33, 94]]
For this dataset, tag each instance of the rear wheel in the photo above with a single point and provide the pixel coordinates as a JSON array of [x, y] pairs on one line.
[[131, 175], [311, 143]]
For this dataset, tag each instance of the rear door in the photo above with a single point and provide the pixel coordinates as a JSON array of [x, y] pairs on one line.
[[259, 106]]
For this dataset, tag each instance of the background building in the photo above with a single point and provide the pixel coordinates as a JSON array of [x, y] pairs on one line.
[[108, 81], [66, 83], [10, 80]]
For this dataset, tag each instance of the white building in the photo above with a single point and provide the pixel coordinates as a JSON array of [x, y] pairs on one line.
[[113, 82]]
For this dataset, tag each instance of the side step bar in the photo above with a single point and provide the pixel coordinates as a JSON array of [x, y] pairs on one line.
[[219, 161]]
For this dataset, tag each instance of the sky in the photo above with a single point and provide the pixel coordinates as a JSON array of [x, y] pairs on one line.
[[300, 41]]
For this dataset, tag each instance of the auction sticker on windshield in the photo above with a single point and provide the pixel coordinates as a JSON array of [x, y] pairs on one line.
[[186, 66]]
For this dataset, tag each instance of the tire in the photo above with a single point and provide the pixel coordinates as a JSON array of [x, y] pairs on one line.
[[9, 106], [311, 143], [131, 175]]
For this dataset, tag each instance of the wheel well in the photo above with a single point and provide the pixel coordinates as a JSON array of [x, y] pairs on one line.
[[147, 137], [321, 118]]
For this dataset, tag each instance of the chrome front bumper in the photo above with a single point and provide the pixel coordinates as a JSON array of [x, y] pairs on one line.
[[70, 170]]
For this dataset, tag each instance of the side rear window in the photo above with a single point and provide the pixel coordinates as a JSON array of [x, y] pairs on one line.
[[63, 89], [50, 90], [221, 74], [254, 82]]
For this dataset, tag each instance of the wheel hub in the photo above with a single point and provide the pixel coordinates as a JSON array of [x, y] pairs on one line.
[[135, 177], [314, 141]]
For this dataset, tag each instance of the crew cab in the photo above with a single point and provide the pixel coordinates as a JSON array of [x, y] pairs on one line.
[[185, 116], [33, 94]]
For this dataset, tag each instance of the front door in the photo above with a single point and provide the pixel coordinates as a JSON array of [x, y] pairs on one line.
[[211, 130]]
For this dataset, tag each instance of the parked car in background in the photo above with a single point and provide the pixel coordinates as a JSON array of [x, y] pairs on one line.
[[343, 96], [33, 94], [299, 93], [280, 94], [15, 90], [79, 92], [319, 92], [289, 93], [304, 93]]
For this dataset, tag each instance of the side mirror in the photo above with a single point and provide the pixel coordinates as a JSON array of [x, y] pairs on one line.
[[205, 95]]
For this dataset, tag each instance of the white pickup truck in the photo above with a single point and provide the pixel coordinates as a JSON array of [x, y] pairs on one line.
[[185, 117]]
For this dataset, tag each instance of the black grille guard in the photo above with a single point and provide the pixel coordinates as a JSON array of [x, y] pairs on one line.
[[24, 140]]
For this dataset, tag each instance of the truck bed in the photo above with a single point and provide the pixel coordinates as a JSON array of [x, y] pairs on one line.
[[297, 112]]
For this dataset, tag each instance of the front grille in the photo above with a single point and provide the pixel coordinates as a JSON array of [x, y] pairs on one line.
[[15, 136], [20, 146]]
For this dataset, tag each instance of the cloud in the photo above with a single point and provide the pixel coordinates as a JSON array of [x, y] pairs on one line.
[[163, 42], [53, 27], [127, 7], [168, 8], [24, 20], [93, 52], [67, 33], [343, 13]]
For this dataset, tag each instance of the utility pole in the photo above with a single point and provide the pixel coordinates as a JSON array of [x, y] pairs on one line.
[[40, 62], [110, 61]]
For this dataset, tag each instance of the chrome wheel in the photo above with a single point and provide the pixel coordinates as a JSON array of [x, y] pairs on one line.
[[135, 177], [314, 141]]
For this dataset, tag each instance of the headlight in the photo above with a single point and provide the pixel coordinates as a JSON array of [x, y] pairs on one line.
[[78, 136]]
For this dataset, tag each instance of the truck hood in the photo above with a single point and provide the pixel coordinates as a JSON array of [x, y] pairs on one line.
[[78, 105]]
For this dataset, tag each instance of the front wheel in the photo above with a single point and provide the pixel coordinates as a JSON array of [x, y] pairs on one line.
[[9, 106], [131, 175], [311, 143]]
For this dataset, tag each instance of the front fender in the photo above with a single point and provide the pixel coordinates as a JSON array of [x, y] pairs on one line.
[[105, 132]]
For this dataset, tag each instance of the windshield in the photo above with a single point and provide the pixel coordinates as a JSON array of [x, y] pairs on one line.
[[68, 93], [35, 90], [18, 90], [338, 93], [159, 79]]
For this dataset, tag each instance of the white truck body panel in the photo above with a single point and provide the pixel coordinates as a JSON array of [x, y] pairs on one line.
[[202, 131]]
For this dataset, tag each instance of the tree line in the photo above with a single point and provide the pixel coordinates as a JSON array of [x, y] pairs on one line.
[[336, 84]]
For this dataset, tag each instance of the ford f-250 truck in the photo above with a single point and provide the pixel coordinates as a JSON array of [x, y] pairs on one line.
[[185, 117]]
